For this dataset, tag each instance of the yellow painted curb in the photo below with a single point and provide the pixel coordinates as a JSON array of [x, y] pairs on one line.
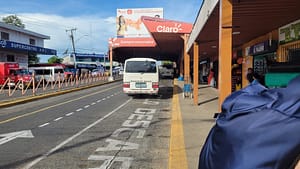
[[177, 153]]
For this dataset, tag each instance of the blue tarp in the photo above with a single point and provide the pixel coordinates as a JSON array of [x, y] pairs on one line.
[[258, 128]]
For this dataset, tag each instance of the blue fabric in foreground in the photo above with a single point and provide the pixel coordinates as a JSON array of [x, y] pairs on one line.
[[258, 128]]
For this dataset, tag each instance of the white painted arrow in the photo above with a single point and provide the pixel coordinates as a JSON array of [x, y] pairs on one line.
[[13, 135]]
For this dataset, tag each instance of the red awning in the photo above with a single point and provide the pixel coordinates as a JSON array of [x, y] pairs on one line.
[[154, 24]]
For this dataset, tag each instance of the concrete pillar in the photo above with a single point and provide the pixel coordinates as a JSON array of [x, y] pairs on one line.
[[186, 62], [225, 50], [196, 72]]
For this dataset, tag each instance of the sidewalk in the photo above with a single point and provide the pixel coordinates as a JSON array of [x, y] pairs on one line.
[[197, 120]]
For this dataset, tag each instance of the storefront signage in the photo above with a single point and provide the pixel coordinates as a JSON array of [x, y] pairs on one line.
[[134, 42], [91, 55], [154, 24], [175, 29], [263, 47], [290, 32], [24, 47], [87, 66]]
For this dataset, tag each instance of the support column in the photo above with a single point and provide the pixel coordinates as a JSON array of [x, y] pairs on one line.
[[225, 50], [110, 63], [186, 62], [196, 72]]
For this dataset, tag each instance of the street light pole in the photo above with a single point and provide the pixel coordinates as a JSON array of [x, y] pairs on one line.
[[73, 45]]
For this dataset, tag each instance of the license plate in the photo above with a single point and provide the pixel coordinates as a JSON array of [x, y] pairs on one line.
[[140, 85]]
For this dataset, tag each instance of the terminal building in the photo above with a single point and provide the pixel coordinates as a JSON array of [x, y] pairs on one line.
[[227, 37], [16, 44]]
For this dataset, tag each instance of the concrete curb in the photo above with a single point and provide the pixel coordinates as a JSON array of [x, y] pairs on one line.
[[25, 99]]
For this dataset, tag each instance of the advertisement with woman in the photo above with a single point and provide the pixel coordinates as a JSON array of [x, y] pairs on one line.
[[129, 23]]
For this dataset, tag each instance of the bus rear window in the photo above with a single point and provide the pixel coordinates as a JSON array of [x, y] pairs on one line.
[[140, 67]]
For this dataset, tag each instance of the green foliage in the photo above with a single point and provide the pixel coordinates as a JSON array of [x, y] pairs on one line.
[[13, 20], [33, 59], [167, 62], [55, 59]]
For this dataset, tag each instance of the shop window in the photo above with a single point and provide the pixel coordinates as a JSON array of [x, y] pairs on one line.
[[4, 36], [294, 55], [289, 52], [32, 41], [10, 58]]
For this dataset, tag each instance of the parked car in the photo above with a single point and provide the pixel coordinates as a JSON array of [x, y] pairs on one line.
[[97, 72], [166, 71]]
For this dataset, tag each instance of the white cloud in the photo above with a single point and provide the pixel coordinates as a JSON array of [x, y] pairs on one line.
[[91, 35]]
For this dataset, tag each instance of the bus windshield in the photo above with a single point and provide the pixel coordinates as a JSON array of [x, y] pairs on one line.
[[140, 67]]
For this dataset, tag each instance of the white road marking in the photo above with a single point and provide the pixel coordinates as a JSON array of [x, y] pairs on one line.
[[86, 106], [79, 109], [14, 135], [104, 99], [98, 101], [58, 119], [69, 114], [43, 125], [93, 103], [31, 164], [109, 160]]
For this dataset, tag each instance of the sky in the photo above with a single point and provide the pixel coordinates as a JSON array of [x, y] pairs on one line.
[[94, 20]]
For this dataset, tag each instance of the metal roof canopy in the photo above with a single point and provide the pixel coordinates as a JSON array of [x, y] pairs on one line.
[[170, 45], [251, 19]]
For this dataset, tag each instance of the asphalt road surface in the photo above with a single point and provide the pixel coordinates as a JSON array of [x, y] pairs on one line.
[[96, 128]]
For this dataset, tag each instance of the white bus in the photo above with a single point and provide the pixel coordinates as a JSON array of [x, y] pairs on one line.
[[141, 76], [50, 73]]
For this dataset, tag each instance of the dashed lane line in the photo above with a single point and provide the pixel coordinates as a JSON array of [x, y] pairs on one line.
[[69, 114], [57, 119], [35, 161], [43, 125], [55, 105]]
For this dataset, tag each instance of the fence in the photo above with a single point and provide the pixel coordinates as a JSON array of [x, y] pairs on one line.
[[41, 85]]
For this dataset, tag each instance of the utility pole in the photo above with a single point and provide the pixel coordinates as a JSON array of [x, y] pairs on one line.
[[73, 44]]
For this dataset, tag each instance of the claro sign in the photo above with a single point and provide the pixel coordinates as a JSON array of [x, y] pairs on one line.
[[175, 29], [166, 26]]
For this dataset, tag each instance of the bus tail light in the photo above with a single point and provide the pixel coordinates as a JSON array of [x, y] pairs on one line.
[[155, 85], [126, 85]]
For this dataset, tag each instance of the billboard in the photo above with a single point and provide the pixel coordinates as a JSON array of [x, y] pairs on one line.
[[129, 22]]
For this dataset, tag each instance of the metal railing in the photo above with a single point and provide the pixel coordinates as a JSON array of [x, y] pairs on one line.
[[42, 85]]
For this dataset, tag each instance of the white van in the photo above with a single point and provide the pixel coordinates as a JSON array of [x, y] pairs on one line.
[[50, 73], [141, 76]]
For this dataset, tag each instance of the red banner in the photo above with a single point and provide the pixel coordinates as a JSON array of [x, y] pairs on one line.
[[132, 42]]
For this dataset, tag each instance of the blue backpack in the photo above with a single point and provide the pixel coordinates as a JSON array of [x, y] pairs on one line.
[[258, 128]]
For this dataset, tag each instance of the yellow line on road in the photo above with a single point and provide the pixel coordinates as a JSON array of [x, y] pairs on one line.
[[56, 105], [177, 154]]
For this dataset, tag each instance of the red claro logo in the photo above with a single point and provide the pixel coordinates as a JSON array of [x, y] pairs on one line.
[[129, 11], [174, 29]]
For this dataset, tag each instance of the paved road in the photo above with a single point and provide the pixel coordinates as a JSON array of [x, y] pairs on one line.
[[98, 127]]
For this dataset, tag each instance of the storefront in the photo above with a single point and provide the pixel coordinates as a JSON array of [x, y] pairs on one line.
[[18, 52], [18, 45], [288, 60]]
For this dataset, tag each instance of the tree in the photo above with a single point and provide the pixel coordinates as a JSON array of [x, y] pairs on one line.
[[55, 59], [13, 20], [33, 58]]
